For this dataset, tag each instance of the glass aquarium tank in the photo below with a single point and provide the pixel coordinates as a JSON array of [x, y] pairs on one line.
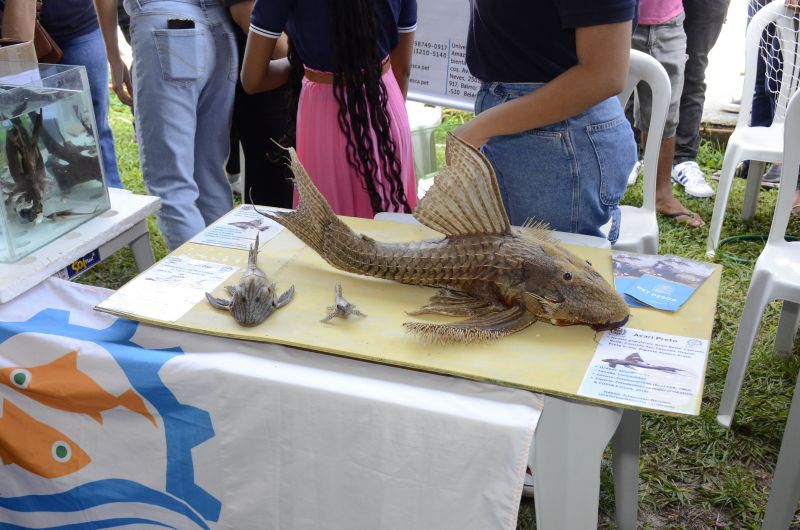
[[51, 176]]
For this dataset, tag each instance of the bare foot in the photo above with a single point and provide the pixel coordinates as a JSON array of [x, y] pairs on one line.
[[796, 203]]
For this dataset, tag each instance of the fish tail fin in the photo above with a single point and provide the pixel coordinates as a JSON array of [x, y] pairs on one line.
[[252, 254], [313, 219], [131, 401]]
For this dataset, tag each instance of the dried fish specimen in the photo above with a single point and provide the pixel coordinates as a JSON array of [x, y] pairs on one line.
[[253, 298], [26, 166], [341, 308], [500, 278]]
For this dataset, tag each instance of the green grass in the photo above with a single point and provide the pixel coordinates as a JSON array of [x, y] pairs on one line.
[[693, 473]]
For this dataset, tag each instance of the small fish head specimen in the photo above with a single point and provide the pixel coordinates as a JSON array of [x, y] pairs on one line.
[[253, 299]]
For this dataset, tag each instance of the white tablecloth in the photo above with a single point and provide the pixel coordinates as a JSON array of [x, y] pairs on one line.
[[192, 431]]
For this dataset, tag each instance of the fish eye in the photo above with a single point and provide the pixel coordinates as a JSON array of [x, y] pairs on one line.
[[61, 451], [21, 378], [589, 263], [567, 276]]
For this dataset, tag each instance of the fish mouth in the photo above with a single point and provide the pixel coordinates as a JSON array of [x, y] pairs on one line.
[[610, 325]]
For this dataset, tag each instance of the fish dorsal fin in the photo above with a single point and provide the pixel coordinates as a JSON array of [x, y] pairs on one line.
[[536, 230], [67, 361], [464, 199], [634, 357]]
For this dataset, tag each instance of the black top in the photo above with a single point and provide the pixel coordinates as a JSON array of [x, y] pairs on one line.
[[525, 41], [307, 22], [66, 19]]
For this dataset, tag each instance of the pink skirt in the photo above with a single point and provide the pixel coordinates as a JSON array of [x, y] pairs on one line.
[[322, 149]]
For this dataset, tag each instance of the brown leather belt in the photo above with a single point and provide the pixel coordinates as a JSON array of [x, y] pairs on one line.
[[327, 77]]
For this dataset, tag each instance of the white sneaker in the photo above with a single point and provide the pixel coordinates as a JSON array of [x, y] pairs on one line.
[[691, 177], [634, 174]]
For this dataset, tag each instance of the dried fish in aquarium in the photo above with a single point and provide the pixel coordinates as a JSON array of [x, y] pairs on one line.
[[26, 166], [253, 299], [500, 278], [341, 308]]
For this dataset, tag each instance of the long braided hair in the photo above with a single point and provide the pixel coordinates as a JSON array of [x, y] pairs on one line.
[[362, 99]]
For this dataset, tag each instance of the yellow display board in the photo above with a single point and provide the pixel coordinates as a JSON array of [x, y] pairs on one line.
[[543, 357]]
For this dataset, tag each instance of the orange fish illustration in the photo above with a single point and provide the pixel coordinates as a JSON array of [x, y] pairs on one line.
[[62, 386], [37, 447]]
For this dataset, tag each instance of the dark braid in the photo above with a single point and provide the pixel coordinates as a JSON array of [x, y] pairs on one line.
[[363, 100]]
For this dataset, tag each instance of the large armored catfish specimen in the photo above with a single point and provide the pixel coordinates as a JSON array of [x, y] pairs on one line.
[[501, 278]]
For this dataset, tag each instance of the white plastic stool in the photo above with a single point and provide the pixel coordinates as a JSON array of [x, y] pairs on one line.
[[423, 120]]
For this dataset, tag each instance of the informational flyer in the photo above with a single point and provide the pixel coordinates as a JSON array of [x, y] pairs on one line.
[[168, 289], [238, 229], [647, 370], [662, 282], [439, 73]]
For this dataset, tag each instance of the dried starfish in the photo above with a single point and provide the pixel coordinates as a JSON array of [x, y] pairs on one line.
[[501, 278], [341, 308]]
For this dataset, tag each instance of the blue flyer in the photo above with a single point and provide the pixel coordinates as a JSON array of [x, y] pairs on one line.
[[659, 293]]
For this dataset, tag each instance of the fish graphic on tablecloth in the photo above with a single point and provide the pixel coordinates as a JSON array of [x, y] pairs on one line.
[[61, 385], [37, 447]]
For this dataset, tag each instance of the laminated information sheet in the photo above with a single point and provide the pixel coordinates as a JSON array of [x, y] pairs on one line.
[[647, 369]]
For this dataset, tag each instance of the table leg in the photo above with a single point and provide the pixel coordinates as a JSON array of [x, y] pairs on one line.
[[567, 452], [625, 449], [142, 251]]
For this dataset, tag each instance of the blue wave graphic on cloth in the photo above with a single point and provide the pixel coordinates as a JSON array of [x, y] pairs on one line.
[[107, 523], [96, 494], [185, 426]]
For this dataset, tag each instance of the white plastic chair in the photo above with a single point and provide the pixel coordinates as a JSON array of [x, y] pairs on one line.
[[785, 492], [757, 144], [639, 227], [776, 276]]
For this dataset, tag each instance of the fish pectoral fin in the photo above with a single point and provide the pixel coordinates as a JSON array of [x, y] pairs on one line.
[[218, 303], [285, 298], [454, 303], [485, 328], [95, 415], [231, 289]]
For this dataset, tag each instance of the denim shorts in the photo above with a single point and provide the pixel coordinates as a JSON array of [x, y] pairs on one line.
[[571, 174], [666, 43]]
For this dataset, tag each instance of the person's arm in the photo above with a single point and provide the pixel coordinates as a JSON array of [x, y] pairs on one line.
[[241, 11], [400, 57], [259, 72], [19, 17], [120, 75], [602, 70]]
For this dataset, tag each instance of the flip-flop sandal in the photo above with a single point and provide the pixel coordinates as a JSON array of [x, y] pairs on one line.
[[685, 218]]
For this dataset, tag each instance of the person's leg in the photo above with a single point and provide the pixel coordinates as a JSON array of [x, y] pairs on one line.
[[262, 121], [89, 51], [703, 23], [169, 74], [214, 111], [666, 203]]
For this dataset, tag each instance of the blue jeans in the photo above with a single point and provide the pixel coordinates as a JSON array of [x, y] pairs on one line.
[[183, 84], [570, 174], [89, 50]]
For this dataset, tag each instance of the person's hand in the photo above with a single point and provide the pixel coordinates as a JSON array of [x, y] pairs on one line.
[[121, 82], [472, 133]]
